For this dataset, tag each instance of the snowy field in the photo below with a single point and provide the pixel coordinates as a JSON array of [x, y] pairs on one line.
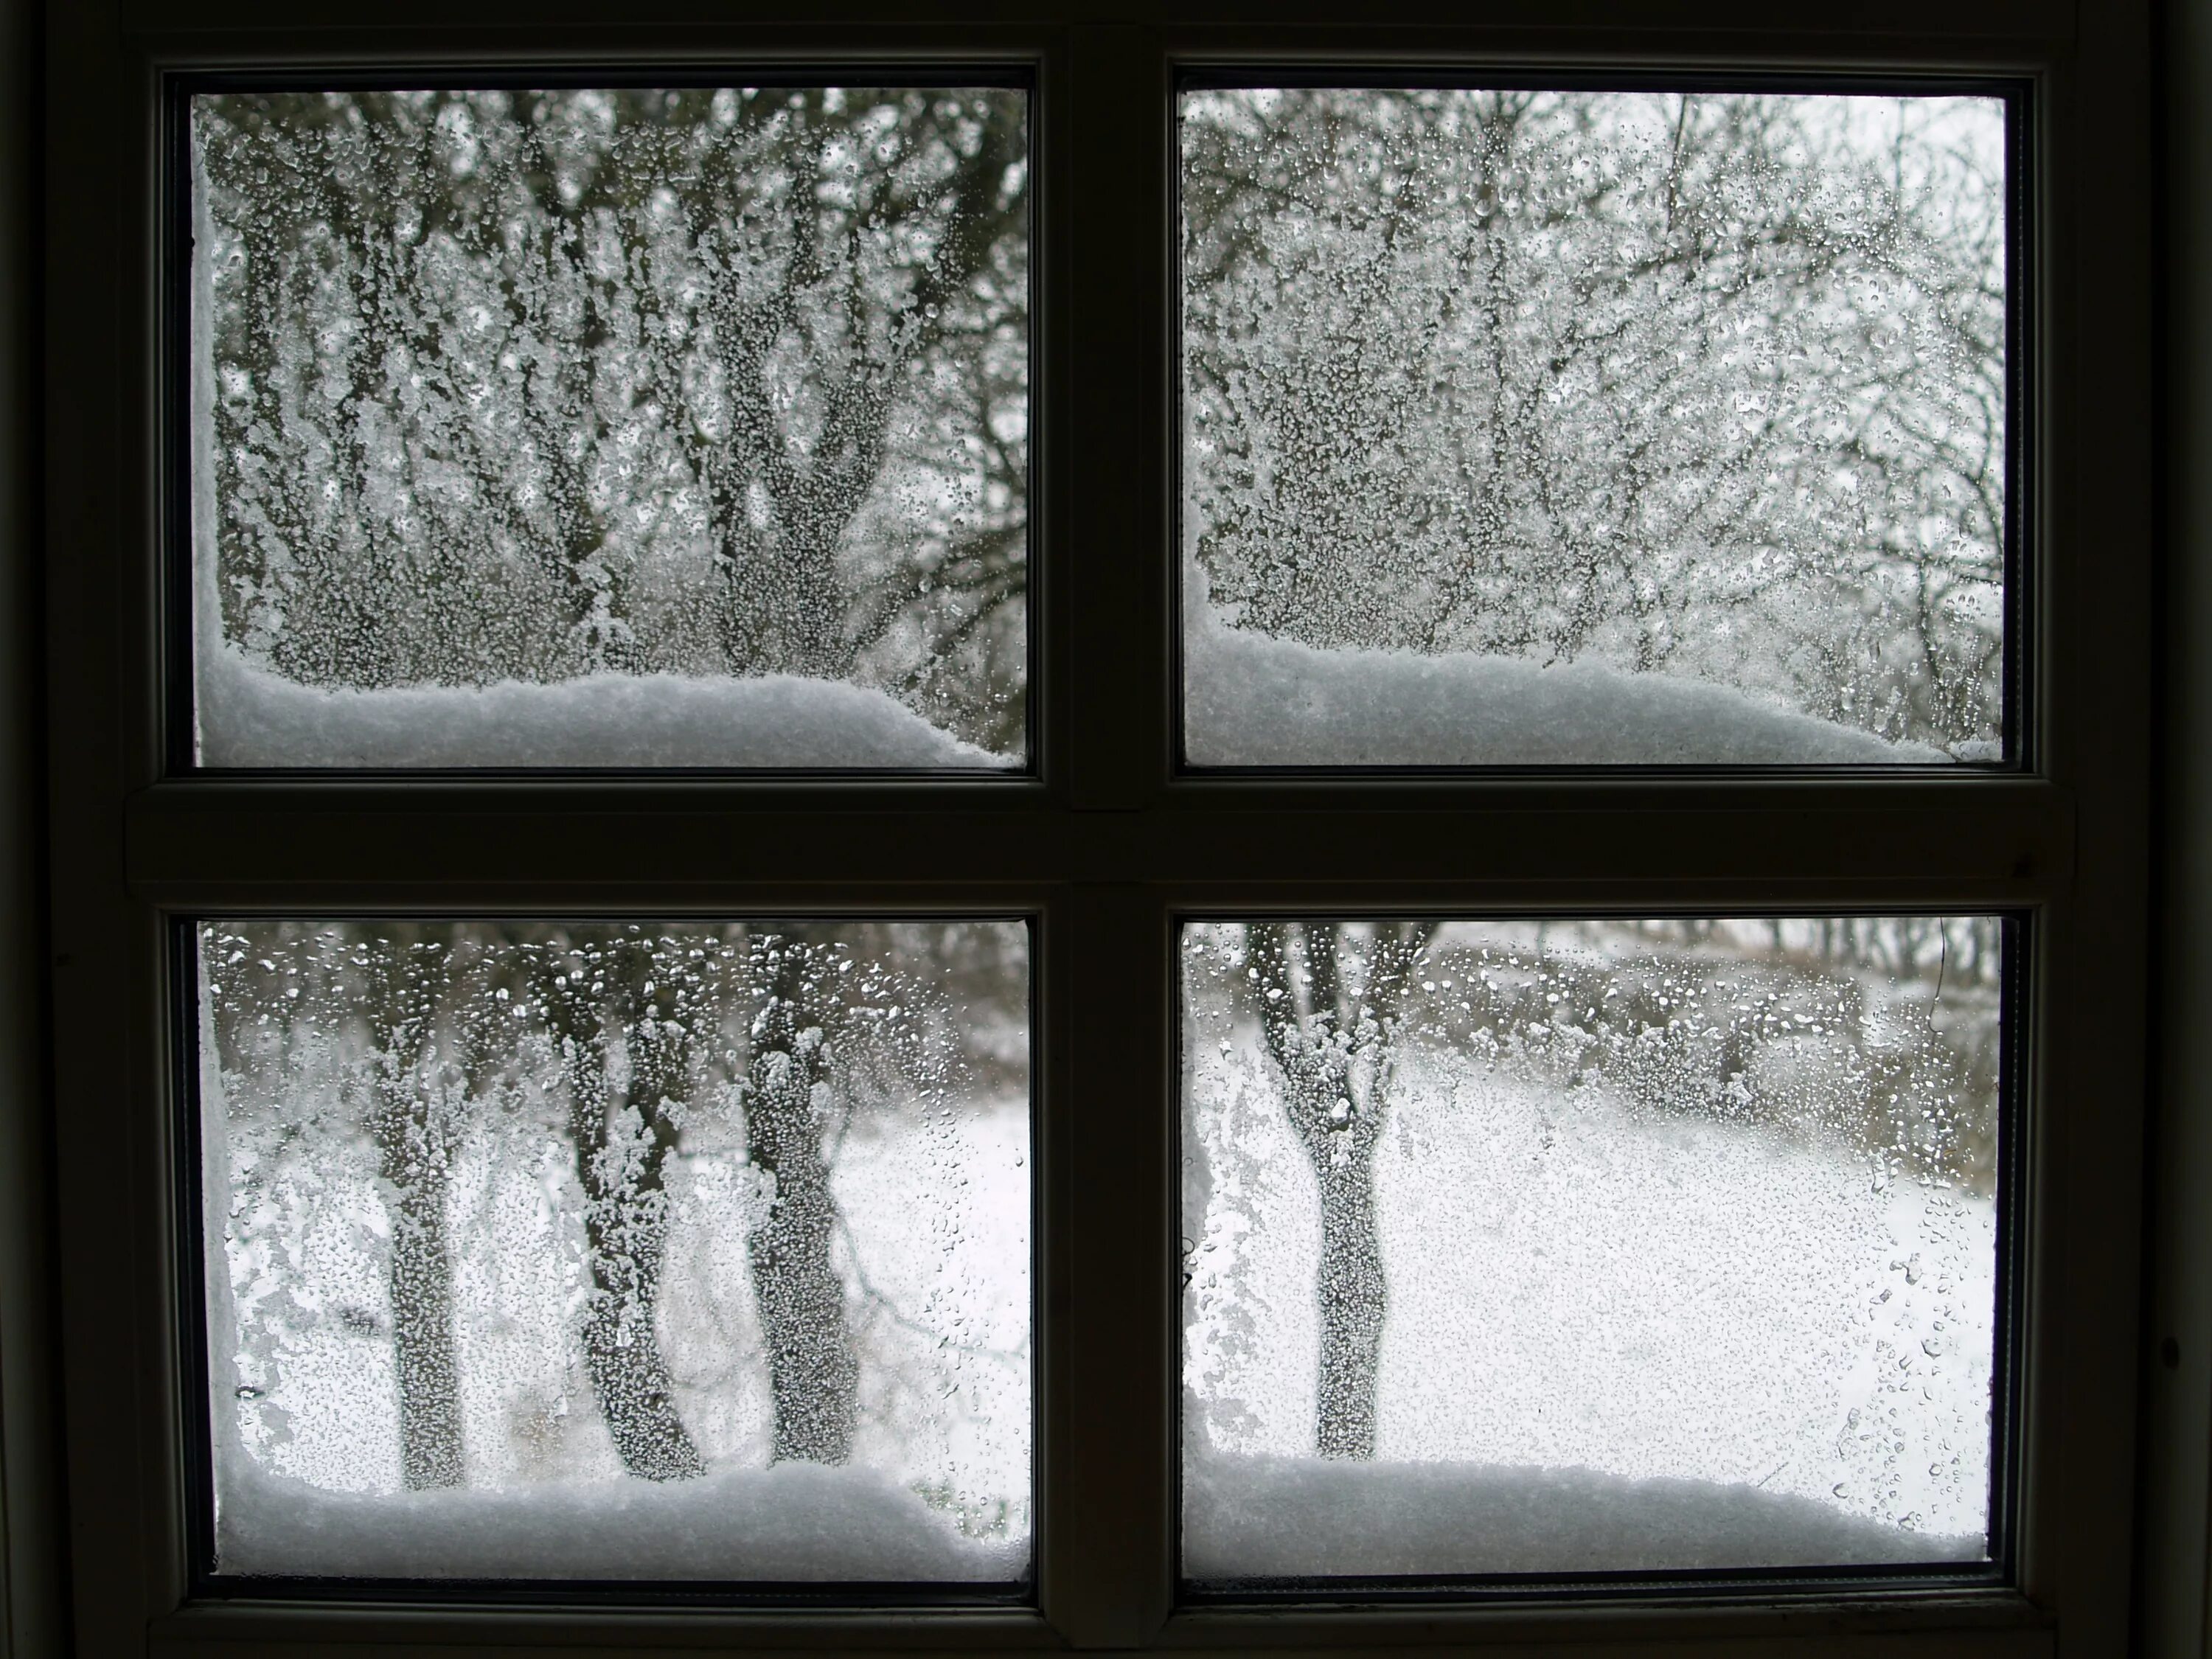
[[1615, 1339], [935, 1252], [1250, 700]]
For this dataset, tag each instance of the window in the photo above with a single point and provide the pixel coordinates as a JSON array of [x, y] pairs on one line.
[[615, 1251], [637, 426], [1494, 396], [315, 740], [1585, 1247]]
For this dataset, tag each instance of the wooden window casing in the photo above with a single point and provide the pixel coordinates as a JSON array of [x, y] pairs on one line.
[[1106, 845]]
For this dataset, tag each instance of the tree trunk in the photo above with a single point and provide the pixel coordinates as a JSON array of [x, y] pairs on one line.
[[783, 605], [622, 1349], [621, 1149], [1352, 1302], [421, 1278], [813, 1375], [409, 1125], [1335, 1067]]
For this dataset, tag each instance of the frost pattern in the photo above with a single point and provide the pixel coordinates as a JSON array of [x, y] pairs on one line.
[[618, 1250], [517, 389], [1707, 387], [1551, 1247]]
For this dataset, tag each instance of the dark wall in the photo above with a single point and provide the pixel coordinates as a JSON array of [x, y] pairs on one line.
[[31, 1531]]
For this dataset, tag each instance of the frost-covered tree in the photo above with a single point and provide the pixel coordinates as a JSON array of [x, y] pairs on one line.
[[1711, 385], [1876, 1034], [322, 1032], [382, 1083], [602, 989], [417, 1101], [841, 1023], [1328, 998], [530, 385], [813, 1373], [1584, 1069]]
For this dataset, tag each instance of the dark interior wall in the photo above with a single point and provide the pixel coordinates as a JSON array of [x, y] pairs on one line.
[[30, 1516], [2176, 1454]]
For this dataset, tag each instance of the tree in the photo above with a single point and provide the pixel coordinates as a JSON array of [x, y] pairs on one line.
[[1329, 1011], [659, 997], [1706, 384], [610, 986], [416, 1102], [358, 1016], [812, 1371]]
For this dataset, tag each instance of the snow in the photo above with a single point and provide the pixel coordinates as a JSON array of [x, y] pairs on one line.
[[249, 716], [1287, 1517], [1251, 698], [795, 1522], [941, 1231]]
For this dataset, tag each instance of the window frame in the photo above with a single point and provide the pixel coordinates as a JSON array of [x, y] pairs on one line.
[[206, 1583], [1105, 844], [1598, 1587]]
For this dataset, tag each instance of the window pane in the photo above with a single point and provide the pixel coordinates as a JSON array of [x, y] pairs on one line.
[[1574, 428], [1585, 1246], [616, 427], [617, 1251]]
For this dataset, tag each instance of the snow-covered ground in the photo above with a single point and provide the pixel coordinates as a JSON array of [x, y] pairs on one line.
[[249, 716], [935, 1254], [1250, 700], [1614, 1340]]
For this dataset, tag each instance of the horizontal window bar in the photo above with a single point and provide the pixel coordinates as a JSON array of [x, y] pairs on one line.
[[204, 845], [1981, 1625], [228, 31]]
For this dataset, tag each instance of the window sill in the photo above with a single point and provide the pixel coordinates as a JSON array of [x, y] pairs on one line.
[[1968, 1623]]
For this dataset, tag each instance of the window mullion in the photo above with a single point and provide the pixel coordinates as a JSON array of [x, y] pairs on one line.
[[1108, 1385], [1120, 557]]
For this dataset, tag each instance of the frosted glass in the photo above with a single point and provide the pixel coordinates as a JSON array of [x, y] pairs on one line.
[[617, 1251], [619, 427], [1588, 1246], [1573, 427]]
